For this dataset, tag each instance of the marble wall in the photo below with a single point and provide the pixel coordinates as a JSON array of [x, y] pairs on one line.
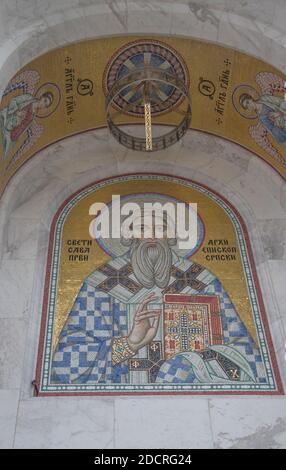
[[29, 28], [26, 211]]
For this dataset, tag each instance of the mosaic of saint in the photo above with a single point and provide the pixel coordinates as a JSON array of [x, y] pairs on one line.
[[19, 119], [144, 315], [269, 109]]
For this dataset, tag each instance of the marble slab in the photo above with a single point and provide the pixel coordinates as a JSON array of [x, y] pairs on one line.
[[65, 423], [8, 415], [163, 422], [249, 423], [16, 281], [255, 26], [12, 340]]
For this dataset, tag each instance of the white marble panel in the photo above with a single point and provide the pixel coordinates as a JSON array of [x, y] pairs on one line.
[[278, 53], [162, 422], [279, 17], [149, 16], [197, 19], [267, 178], [20, 14], [278, 275], [12, 340], [273, 234], [221, 168], [65, 423], [20, 238], [262, 193], [8, 414], [249, 423], [255, 26], [196, 153], [145, 166], [16, 280], [245, 34], [41, 185], [259, 10]]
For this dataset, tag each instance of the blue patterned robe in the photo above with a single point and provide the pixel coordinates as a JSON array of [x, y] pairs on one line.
[[104, 310], [274, 104]]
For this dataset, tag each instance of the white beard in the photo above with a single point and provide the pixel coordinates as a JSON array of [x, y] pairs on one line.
[[151, 262]]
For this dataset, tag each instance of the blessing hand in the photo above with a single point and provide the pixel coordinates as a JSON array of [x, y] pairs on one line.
[[145, 325]]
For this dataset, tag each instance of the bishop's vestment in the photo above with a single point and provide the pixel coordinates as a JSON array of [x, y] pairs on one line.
[[93, 347]]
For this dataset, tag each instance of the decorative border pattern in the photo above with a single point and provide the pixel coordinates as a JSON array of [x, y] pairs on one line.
[[274, 385]]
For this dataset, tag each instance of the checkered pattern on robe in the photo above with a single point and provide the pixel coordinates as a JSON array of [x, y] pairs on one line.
[[84, 350]]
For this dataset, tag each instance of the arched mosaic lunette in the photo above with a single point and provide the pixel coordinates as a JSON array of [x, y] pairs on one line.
[[62, 93], [213, 334]]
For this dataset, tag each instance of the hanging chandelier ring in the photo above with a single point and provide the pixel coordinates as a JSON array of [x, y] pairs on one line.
[[141, 76]]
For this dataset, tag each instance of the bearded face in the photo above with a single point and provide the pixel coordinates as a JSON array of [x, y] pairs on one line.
[[151, 262]]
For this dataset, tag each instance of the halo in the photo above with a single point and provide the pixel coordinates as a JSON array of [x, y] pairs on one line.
[[114, 247], [54, 89], [240, 90]]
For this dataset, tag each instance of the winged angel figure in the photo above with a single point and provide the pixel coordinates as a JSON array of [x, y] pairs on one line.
[[269, 109], [19, 119]]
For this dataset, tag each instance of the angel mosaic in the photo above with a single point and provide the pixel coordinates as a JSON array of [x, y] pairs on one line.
[[20, 118], [269, 107]]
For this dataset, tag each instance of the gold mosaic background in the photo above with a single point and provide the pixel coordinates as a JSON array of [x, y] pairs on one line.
[[217, 226], [88, 59]]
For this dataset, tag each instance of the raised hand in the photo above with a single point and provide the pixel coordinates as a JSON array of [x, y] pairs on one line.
[[145, 325]]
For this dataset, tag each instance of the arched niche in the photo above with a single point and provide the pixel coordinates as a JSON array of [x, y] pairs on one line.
[[214, 287]]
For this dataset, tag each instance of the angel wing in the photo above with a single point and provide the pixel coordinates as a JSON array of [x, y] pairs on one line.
[[26, 81], [270, 83], [33, 133], [260, 135]]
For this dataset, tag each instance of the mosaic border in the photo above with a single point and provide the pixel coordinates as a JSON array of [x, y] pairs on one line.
[[273, 387]]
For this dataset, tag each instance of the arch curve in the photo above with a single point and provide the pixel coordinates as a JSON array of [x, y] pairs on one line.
[[224, 99]]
